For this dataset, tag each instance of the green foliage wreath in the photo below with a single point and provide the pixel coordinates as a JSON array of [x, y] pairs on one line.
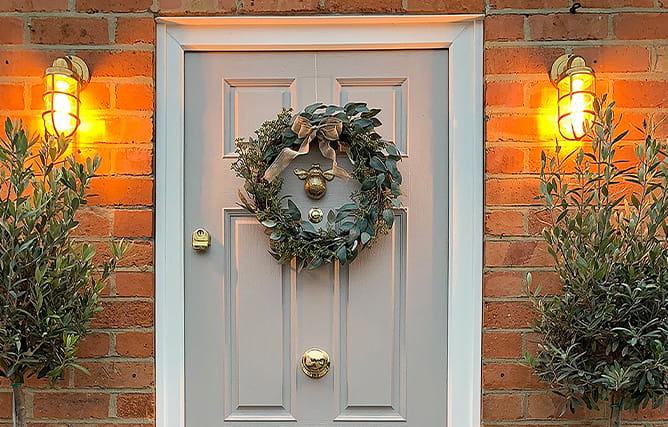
[[350, 228]]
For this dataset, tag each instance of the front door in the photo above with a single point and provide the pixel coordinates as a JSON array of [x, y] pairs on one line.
[[382, 320]]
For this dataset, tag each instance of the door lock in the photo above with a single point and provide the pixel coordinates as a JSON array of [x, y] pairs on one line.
[[201, 239]]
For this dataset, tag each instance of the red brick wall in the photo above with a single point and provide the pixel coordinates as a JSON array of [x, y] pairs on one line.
[[627, 46]]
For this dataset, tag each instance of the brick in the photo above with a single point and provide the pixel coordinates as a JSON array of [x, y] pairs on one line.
[[542, 94], [504, 27], [504, 160], [549, 406], [615, 3], [140, 255], [94, 345], [647, 414], [119, 64], [134, 97], [504, 94], [124, 314], [134, 284], [135, 406], [121, 191], [503, 284], [568, 27], [643, 93], [548, 281], [113, 5], [616, 59], [502, 345], [509, 376], [537, 221], [133, 223], [505, 315], [115, 129], [501, 407], [446, 6], [112, 375], [67, 30], [520, 60], [135, 31], [93, 223], [5, 404], [12, 96], [640, 26], [511, 191], [504, 223], [132, 161], [516, 127], [662, 59], [354, 6], [22, 63], [528, 4], [259, 6], [11, 30], [33, 5], [71, 405], [520, 253], [134, 344]]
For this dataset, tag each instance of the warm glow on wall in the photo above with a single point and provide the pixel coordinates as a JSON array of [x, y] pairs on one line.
[[576, 86], [63, 82]]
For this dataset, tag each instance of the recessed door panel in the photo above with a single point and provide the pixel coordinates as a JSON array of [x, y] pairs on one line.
[[382, 319]]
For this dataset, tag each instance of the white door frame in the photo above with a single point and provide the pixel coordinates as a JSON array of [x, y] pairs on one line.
[[462, 36]]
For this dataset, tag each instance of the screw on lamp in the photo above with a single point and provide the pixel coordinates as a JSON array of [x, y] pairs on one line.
[[63, 81], [576, 87]]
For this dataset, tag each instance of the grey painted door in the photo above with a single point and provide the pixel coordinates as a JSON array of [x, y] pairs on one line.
[[382, 319]]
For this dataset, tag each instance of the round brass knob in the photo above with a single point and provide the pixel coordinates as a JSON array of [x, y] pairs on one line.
[[315, 363]]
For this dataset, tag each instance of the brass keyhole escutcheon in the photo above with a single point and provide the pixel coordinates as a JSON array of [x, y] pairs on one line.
[[315, 215], [315, 363]]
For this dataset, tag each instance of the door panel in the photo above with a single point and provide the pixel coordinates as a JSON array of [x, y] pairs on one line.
[[382, 319]]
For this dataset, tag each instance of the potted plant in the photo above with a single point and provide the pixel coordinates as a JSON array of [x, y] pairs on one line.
[[50, 283], [605, 338]]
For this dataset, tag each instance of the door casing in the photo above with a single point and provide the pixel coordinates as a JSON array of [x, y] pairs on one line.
[[463, 37]]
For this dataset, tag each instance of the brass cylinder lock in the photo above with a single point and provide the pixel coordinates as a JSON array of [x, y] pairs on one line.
[[201, 239], [315, 215], [315, 363]]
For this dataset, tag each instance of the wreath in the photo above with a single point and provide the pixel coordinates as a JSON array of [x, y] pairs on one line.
[[350, 228]]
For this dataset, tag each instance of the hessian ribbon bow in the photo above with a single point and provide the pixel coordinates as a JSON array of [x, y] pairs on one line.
[[329, 130]]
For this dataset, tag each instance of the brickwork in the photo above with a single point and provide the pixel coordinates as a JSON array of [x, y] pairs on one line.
[[626, 41], [626, 47]]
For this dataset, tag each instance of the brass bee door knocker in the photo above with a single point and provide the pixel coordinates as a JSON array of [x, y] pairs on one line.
[[315, 180]]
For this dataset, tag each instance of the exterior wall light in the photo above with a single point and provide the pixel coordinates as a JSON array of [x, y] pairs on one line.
[[576, 87], [63, 82]]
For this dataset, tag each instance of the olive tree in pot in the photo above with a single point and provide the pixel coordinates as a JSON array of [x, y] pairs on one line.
[[605, 338], [50, 283]]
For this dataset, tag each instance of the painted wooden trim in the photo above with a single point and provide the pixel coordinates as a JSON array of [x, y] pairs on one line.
[[462, 35]]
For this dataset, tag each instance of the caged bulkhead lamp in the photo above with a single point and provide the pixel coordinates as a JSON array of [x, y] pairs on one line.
[[576, 91], [63, 82]]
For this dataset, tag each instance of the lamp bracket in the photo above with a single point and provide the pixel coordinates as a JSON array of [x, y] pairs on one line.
[[73, 64], [564, 63]]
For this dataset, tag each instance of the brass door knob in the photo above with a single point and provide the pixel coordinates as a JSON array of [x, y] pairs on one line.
[[315, 363]]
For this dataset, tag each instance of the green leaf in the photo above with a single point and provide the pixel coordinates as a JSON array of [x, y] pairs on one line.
[[377, 164], [388, 217]]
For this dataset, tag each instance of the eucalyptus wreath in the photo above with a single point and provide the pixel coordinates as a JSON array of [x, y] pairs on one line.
[[350, 228]]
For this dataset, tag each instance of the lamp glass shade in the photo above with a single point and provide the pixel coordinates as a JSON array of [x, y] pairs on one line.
[[576, 92], [61, 102]]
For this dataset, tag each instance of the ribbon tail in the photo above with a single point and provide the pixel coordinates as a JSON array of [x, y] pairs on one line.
[[329, 153], [284, 158]]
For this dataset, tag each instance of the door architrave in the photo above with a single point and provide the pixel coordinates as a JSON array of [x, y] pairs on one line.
[[462, 36]]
